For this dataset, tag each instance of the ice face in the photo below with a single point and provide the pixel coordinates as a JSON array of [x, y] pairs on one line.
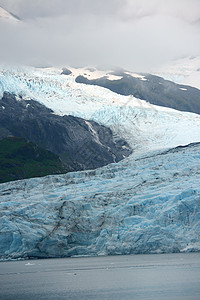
[[150, 205]]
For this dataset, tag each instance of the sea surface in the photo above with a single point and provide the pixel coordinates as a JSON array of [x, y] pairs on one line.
[[159, 276]]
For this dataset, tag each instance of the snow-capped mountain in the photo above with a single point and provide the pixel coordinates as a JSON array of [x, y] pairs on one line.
[[7, 16], [143, 125], [147, 203], [183, 71], [151, 88]]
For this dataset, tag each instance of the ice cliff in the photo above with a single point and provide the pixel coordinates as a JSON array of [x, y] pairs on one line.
[[149, 205]]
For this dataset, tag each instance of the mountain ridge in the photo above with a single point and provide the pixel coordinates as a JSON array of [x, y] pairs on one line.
[[80, 144], [151, 88], [8, 16]]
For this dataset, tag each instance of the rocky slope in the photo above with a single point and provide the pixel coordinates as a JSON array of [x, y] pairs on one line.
[[151, 88], [80, 144], [20, 159]]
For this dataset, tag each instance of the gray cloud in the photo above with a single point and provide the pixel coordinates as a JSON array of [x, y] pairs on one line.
[[135, 34], [188, 10], [30, 9]]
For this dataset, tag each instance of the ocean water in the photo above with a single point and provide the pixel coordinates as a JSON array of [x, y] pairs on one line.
[[159, 276]]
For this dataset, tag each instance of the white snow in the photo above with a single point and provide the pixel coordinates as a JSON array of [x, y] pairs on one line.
[[92, 73], [94, 133], [142, 77]]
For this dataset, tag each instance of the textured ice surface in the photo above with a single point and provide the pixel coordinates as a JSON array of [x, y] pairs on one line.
[[150, 205], [144, 126], [147, 203]]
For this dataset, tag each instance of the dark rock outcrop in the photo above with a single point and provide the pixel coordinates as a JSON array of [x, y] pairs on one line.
[[66, 71], [80, 144]]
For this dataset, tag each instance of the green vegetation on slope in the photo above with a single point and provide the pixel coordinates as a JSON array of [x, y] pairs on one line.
[[20, 159]]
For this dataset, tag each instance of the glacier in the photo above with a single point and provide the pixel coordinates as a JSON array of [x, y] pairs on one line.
[[146, 127], [147, 203]]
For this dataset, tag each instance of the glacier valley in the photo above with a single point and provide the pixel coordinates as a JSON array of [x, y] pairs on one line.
[[147, 203]]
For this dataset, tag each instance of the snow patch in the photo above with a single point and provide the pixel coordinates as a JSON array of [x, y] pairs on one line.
[[92, 74], [142, 77], [94, 133]]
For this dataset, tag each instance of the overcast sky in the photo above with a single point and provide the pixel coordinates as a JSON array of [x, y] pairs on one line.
[[139, 35]]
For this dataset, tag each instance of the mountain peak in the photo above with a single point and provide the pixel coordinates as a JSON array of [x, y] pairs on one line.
[[7, 16]]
